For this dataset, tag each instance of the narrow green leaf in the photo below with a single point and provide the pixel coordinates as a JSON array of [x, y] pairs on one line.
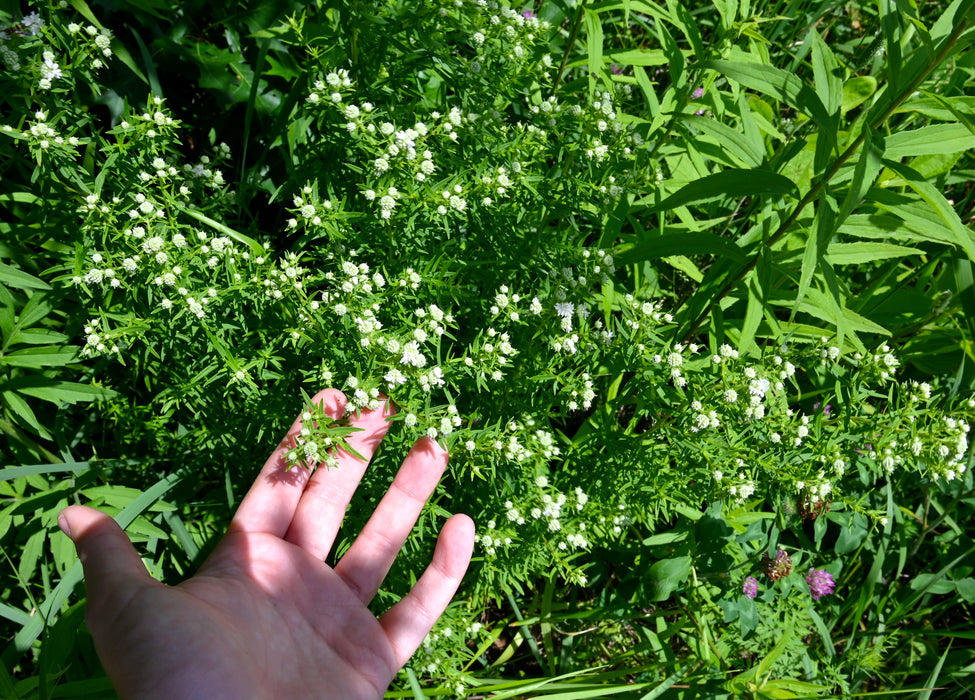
[[865, 252], [16, 277], [826, 74], [735, 142], [824, 307], [36, 308], [689, 243], [728, 9], [755, 309], [58, 392], [868, 167], [932, 682], [890, 25], [937, 107], [779, 84], [666, 684], [154, 86], [594, 48], [30, 554], [638, 57], [666, 538], [957, 12], [675, 57], [964, 236], [728, 184], [39, 336], [936, 138], [8, 691], [15, 615], [687, 23], [649, 94], [20, 408], [76, 468], [48, 356], [682, 263], [256, 248], [82, 8], [816, 243]]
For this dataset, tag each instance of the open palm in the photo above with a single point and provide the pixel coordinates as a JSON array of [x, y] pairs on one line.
[[265, 617]]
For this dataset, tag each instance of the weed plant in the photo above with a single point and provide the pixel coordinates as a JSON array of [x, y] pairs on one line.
[[685, 289]]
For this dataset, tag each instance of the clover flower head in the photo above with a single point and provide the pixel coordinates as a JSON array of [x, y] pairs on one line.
[[820, 583], [778, 566], [750, 587]]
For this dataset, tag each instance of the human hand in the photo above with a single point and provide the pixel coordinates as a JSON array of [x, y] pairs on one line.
[[265, 617]]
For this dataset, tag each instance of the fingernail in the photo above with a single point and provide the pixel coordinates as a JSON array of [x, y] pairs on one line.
[[63, 524]]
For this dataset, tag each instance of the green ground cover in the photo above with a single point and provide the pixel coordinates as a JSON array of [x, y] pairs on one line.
[[686, 289]]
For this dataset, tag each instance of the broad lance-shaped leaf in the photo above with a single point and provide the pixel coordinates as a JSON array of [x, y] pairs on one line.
[[56, 391], [928, 140], [45, 356], [867, 169], [735, 142], [963, 236], [594, 47], [16, 277], [690, 243], [638, 57], [826, 69], [782, 85], [727, 184], [864, 252]]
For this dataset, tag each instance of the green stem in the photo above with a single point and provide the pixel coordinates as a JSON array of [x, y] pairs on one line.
[[568, 48]]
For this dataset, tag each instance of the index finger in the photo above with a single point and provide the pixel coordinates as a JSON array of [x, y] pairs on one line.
[[270, 503]]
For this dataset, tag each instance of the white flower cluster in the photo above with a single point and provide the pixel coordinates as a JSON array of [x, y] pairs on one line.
[[329, 90], [508, 38], [43, 136], [741, 488], [556, 514], [283, 278], [507, 303], [97, 339], [100, 38], [953, 449], [703, 419], [50, 71], [311, 450], [581, 392], [817, 489], [883, 362], [495, 352], [203, 171]]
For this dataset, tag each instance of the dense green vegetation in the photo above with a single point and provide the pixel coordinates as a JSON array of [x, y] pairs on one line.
[[687, 289]]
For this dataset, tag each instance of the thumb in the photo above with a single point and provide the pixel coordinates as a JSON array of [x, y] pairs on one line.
[[113, 569]]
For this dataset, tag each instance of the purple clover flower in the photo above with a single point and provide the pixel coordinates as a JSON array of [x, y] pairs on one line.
[[827, 410], [820, 583], [528, 14], [698, 93], [750, 587]]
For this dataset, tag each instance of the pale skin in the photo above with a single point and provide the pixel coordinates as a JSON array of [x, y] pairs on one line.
[[265, 617]]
